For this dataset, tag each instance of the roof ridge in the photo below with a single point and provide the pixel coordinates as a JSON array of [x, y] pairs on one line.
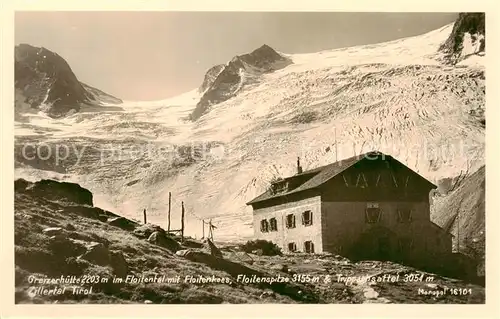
[[345, 159], [323, 173]]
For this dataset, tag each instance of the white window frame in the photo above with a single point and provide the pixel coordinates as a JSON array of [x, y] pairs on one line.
[[262, 228], [293, 224], [311, 246], [271, 220], [310, 219]]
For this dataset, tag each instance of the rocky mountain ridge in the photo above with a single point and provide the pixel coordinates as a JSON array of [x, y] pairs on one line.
[[224, 81], [467, 38], [45, 81]]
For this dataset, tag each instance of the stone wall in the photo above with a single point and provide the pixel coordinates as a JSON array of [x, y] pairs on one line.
[[344, 224]]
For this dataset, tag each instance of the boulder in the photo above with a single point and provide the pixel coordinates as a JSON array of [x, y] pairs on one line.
[[258, 252], [182, 252], [118, 263], [161, 239], [102, 218], [70, 227], [62, 192], [21, 184], [75, 266], [123, 223], [267, 294], [52, 231], [97, 254], [61, 246], [144, 231]]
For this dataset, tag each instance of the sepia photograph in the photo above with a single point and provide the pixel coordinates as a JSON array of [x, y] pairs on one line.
[[206, 157]]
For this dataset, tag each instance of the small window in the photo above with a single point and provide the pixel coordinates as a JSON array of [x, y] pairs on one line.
[[273, 224], [279, 187], [372, 215], [404, 215], [309, 247], [307, 218], [292, 247], [264, 226], [290, 221]]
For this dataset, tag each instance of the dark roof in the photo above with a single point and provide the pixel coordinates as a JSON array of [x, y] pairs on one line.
[[320, 175]]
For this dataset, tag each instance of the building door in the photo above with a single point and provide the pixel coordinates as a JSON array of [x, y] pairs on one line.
[[384, 247]]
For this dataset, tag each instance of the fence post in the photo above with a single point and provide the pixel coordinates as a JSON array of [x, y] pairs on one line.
[[210, 233], [169, 205], [145, 220], [182, 221]]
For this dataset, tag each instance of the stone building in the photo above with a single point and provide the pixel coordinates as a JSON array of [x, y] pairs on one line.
[[369, 206]]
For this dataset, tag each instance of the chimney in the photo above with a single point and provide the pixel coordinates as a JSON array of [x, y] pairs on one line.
[[299, 168]]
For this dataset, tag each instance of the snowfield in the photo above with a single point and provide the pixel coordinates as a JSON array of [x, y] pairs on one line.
[[395, 97]]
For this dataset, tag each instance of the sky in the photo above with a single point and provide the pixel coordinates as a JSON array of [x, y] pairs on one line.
[[156, 55]]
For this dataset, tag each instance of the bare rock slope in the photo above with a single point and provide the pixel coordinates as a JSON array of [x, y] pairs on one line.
[[224, 81], [46, 82], [462, 212], [467, 37]]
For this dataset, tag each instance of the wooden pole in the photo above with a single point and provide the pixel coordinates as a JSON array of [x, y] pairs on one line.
[[182, 221], [458, 230], [203, 231], [210, 234], [145, 220], [169, 205]]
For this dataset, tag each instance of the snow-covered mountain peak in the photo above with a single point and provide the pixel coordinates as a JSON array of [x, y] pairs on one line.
[[225, 81]]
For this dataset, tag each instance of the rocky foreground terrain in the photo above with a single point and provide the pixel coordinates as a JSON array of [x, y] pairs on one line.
[[60, 234]]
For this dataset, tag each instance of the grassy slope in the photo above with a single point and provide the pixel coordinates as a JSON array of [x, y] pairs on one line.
[[37, 253]]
